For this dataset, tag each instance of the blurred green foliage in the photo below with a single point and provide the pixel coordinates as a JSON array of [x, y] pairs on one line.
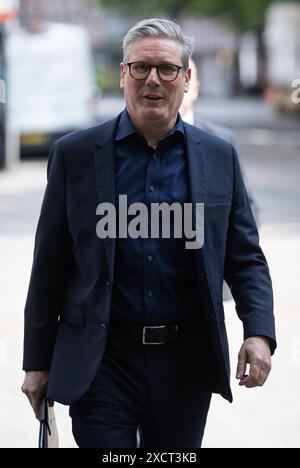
[[107, 79], [242, 14]]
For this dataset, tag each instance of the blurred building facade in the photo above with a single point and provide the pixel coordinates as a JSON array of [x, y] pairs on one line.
[[73, 11], [105, 29], [215, 45], [215, 51], [84, 12]]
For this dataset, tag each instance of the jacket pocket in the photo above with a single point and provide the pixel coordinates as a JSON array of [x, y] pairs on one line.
[[75, 315]]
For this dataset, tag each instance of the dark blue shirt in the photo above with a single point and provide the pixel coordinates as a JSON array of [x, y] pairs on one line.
[[153, 280]]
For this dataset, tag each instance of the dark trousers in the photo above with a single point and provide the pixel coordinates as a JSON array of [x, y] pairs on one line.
[[161, 390]]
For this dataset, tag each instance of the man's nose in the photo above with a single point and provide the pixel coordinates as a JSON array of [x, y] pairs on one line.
[[153, 77]]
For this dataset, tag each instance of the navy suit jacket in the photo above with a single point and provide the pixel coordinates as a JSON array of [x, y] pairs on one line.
[[68, 305]]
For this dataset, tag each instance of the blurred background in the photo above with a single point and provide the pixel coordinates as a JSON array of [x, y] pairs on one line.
[[59, 71]]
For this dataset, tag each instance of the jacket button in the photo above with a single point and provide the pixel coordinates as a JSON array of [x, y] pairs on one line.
[[108, 284], [103, 325]]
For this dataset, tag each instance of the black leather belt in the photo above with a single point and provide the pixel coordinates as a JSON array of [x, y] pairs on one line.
[[147, 335]]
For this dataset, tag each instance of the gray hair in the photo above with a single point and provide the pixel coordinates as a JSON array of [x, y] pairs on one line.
[[155, 27]]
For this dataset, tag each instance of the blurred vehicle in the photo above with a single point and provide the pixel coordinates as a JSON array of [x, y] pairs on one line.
[[2, 100], [9, 148], [282, 39], [51, 83]]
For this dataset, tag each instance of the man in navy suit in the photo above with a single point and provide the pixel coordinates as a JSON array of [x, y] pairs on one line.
[[129, 330]]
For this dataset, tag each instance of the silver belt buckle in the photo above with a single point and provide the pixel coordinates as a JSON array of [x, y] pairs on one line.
[[144, 335]]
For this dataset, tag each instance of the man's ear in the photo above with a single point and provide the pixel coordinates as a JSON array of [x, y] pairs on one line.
[[122, 74], [186, 78]]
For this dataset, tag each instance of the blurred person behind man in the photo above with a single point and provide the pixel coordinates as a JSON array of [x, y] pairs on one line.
[[190, 115], [129, 331]]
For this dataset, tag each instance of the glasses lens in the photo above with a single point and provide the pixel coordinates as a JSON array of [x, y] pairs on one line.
[[167, 72], [139, 70]]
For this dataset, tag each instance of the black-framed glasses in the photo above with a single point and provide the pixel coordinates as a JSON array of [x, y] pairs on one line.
[[165, 71]]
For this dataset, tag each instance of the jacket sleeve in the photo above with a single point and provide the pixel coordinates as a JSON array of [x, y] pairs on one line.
[[52, 254], [246, 269]]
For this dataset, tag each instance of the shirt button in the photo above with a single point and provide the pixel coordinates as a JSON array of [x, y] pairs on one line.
[[149, 293], [151, 188], [150, 258]]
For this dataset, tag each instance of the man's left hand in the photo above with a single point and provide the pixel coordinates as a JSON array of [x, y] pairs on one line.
[[256, 352]]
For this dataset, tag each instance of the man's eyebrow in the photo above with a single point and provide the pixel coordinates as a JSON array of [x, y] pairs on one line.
[[148, 62]]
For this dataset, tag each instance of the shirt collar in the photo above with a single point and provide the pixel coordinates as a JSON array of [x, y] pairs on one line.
[[126, 128]]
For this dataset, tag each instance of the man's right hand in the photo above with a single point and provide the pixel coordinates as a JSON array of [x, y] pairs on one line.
[[34, 387]]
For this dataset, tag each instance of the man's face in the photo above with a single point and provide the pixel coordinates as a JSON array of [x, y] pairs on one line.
[[138, 93]]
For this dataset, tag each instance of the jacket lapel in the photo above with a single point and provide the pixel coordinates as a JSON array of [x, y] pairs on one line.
[[197, 179], [105, 179], [196, 165], [196, 168]]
